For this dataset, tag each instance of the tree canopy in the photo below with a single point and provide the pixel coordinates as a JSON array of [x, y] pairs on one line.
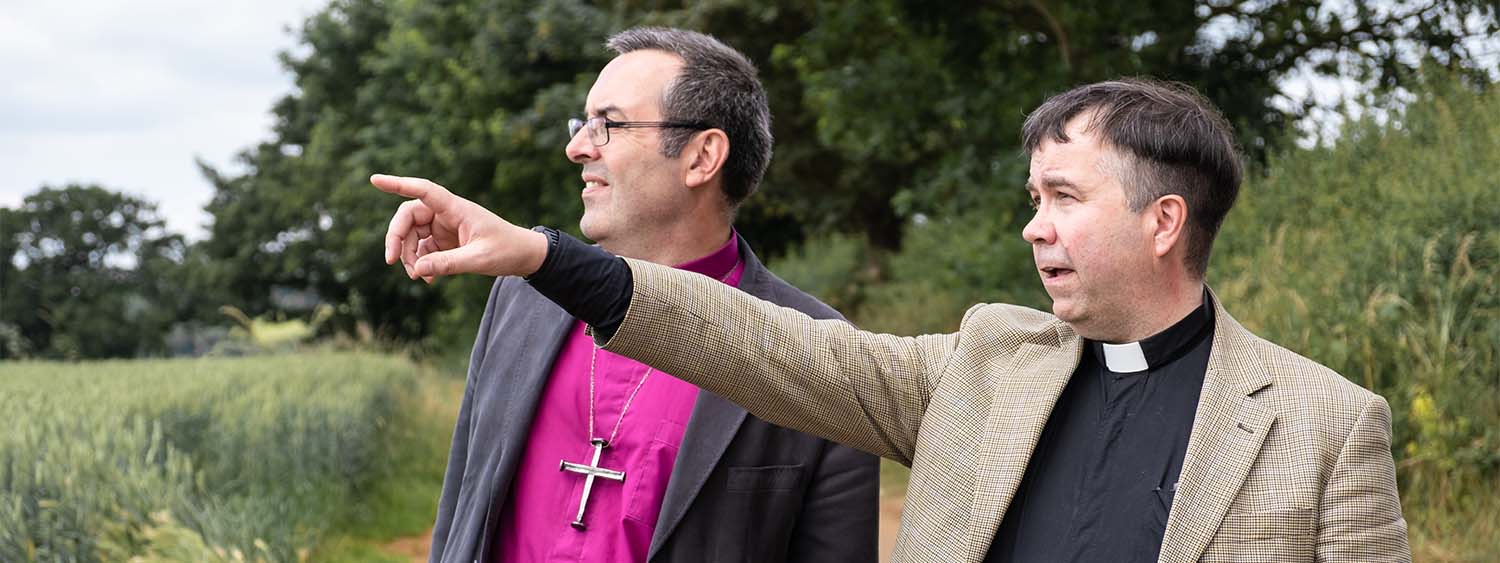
[[883, 111], [886, 113], [88, 276]]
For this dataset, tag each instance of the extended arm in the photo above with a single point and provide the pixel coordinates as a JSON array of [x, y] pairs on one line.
[[826, 378]]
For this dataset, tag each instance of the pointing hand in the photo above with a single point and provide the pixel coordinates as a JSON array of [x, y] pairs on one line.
[[436, 233]]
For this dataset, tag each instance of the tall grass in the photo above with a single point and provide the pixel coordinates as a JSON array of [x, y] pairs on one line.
[[214, 459], [1380, 258]]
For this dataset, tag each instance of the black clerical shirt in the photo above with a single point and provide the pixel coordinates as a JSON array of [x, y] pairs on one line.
[[1100, 483]]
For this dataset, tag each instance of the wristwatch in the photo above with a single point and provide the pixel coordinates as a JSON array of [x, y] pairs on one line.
[[551, 246]]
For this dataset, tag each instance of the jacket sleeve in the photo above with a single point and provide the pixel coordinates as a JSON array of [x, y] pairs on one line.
[[1360, 515], [840, 516], [822, 377], [458, 454]]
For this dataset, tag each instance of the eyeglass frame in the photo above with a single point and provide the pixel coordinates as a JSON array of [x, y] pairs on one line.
[[575, 125]]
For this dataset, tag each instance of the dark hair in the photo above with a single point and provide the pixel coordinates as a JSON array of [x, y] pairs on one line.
[[1171, 140], [717, 86]]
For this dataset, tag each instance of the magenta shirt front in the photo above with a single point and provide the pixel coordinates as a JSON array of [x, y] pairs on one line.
[[621, 517]]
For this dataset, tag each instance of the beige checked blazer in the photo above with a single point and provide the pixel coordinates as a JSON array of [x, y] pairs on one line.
[[1287, 461]]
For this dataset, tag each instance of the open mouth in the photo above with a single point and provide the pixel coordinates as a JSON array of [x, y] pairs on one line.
[[1054, 273]]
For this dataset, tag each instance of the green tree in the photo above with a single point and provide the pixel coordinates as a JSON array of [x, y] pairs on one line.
[[90, 273], [278, 225], [885, 111], [906, 107], [474, 94]]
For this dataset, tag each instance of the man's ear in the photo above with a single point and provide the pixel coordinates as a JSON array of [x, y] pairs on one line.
[[705, 157], [1167, 224]]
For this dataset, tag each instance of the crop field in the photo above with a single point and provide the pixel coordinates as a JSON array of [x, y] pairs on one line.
[[252, 459]]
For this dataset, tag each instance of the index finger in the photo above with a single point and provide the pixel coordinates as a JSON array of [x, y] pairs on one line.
[[436, 197]]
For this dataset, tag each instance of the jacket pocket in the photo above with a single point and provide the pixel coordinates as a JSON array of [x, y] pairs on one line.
[[1268, 524], [762, 505], [1271, 535]]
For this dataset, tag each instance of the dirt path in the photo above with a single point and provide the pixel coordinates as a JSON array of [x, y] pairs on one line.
[[890, 520], [414, 548]]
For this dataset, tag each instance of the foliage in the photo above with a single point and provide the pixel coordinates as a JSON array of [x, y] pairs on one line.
[[947, 266], [1380, 258], [249, 459], [829, 268], [884, 111], [474, 94], [899, 107], [88, 274]]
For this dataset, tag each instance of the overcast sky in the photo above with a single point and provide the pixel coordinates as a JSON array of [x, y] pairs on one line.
[[126, 94]]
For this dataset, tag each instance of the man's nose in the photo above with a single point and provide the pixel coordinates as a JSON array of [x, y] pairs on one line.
[[1039, 229], [581, 149]]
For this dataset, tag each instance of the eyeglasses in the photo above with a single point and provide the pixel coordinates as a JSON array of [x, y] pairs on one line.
[[599, 126]]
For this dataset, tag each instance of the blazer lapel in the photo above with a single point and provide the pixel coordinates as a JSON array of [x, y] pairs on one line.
[[1022, 403], [1228, 431], [519, 369], [711, 428]]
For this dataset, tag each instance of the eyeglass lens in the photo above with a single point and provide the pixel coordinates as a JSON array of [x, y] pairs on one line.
[[598, 133]]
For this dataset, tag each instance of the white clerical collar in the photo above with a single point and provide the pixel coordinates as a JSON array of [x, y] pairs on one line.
[[1124, 358]]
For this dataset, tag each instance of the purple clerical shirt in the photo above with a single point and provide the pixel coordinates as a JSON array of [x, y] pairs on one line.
[[621, 516]]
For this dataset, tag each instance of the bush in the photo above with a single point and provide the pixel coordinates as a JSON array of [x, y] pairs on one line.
[[946, 266], [244, 459], [1379, 257], [831, 268]]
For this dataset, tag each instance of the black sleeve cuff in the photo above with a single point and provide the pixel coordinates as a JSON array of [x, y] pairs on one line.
[[592, 285]]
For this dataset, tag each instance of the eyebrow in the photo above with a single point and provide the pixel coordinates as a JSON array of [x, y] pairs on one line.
[[606, 110], [1051, 181]]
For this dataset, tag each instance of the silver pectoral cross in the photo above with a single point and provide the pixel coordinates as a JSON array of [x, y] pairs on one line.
[[590, 471]]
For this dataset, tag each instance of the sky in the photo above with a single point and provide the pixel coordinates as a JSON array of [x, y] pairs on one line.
[[127, 94]]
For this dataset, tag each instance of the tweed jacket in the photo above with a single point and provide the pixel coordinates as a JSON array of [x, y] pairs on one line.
[[1286, 460], [741, 489]]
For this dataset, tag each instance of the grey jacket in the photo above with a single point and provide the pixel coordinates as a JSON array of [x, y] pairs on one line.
[[741, 489]]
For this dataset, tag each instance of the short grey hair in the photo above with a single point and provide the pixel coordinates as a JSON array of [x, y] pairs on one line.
[[717, 86]]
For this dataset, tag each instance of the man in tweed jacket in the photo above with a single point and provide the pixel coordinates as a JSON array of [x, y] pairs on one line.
[[1285, 460]]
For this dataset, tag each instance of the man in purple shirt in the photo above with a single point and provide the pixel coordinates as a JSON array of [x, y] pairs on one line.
[[564, 452]]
